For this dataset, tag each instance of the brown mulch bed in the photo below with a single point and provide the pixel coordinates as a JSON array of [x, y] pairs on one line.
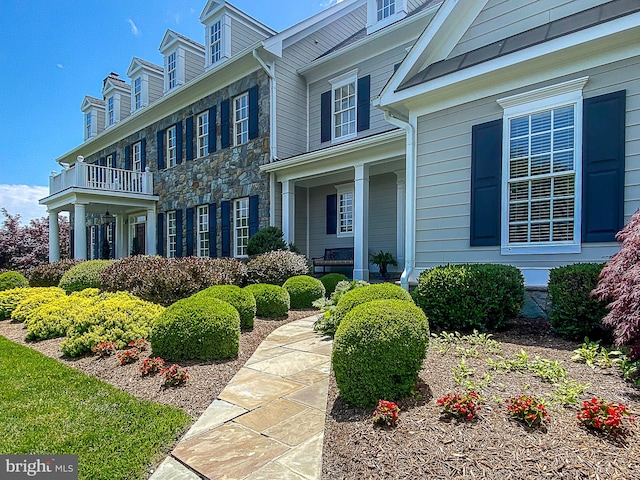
[[426, 444], [206, 379]]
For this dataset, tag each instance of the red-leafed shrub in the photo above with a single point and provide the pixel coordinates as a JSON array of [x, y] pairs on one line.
[[50, 274], [619, 286]]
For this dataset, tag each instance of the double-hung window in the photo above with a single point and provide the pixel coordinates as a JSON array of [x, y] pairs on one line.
[[110, 161], [203, 134], [241, 119], [136, 154], [170, 146], [345, 210], [385, 8], [111, 112], [344, 105], [137, 93], [172, 234], [88, 125], [240, 226], [172, 80], [203, 230], [215, 42]]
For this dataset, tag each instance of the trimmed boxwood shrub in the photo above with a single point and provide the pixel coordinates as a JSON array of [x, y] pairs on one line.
[[197, 328], [50, 274], [574, 312], [466, 297], [266, 240], [331, 280], [276, 267], [242, 300], [84, 275], [9, 280], [34, 300], [53, 319], [272, 301], [304, 290], [378, 351]]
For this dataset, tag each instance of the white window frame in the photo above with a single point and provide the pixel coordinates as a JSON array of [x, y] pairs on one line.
[[110, 161], [345, 216], [241, 119], [111, 111], [525, 104], [171, 148], [336, 85], [202, 125], [137, 93], [136, 157], [216, 41], [172, 70], [384, 9], [240, 226], [88, 125], [374, 23], [92, 243], [172, 234], [202, 221]]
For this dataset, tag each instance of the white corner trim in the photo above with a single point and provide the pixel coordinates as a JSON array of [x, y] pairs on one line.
[[543, 93]]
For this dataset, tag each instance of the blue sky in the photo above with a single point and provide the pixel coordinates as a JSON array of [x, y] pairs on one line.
[[57, 51]]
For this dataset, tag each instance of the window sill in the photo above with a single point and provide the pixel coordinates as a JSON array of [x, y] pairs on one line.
[[543, 249], [344, 235], [344, 138]]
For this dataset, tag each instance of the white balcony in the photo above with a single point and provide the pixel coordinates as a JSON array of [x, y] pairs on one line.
[[104, 179]]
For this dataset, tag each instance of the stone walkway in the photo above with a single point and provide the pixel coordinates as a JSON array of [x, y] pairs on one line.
[[268, 422]]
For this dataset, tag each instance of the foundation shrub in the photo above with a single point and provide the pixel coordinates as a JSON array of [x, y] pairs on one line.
[[467, 297], [84, 275], [266, 240], [575, 314], [331, 280], [272, 301], [242, 300], [378, 351], [197, 328], [53, 319], [276, 267], [50, 274], [9, 299], [117, 317], [326, 323], [42, 296], [303, 290], [10, 279]]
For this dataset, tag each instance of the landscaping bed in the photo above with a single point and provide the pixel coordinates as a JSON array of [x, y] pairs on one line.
[[428, 444]]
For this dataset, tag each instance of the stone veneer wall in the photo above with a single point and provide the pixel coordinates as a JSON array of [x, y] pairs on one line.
[[225, 174]]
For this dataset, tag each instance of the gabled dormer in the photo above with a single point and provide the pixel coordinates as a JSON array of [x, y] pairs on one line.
[[183, 60], [147, 83], [381, 13], [93, 110], [228, 31], [117, 97]]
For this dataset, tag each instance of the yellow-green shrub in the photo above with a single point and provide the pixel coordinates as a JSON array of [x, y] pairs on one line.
[[84, 275], [35, 300], [11, 279], [9, 299], [53, 319]]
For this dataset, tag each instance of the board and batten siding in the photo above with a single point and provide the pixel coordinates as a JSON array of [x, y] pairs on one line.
[[503, 18], [242, 36], [291, 96], [444, 175]]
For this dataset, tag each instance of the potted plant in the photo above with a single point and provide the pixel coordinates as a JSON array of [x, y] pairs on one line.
[[381, 260]]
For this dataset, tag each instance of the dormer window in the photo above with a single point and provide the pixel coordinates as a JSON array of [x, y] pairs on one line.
[[147, 83], [385, 8], [215, 45], [171, 71], [111, 112], [381, 13], [137, 93], [88, 125], [93, 110]]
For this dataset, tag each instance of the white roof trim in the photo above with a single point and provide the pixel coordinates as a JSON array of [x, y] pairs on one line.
[[172, 38]]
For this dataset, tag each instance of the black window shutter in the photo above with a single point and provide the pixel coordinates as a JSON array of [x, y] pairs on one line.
[[486, 183], [325, 116], [212, 129], [364, 103], [102, 161], [213, 233], [603, 144], [225, 124], [190, 236], [253, 112], [178, 143], [189, 138], [87, 234], [225, 226], [103, 239], [160, 150], [160, 234], [332, 214], [96, 243], [178, 233], [143, 154], [72, 242], [254, 215], [127, 157]]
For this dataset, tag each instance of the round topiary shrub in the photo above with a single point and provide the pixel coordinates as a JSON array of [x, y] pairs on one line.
[[272, 301], [84, 275], [242, 300], [9, 280], [358, 296], [266, 240], [330, 280], [466, 297], [378, 351], [50, 274], [39, 297], [276, 267], [304, 290], [197, 329]]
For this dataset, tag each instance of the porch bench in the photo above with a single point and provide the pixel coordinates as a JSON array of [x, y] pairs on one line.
[[334, 257]]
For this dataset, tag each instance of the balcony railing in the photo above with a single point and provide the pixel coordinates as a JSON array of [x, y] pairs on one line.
[[96, 177]]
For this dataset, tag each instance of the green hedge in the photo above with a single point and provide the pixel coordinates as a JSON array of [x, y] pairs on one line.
[[84, 275], [197, 329], [304, 290], [272, 301], [466, 297], [242, 300], [9, 280], [574, 313], [331, 280], [378, 351]]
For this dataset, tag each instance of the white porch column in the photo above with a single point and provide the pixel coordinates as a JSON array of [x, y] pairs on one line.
[[289, 210], [150, 231], [54, 237], [272, 199], [120, 240], [361, 223], [401, 206], [79, 232]]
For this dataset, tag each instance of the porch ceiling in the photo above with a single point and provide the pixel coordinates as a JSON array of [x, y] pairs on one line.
[[98, 201]]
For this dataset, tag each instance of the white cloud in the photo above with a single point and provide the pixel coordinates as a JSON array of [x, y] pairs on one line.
[[329, 3], [23, 200], [134, 28], [60, 66]]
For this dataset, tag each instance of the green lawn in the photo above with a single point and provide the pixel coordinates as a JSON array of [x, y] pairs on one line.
[[48, 408]]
